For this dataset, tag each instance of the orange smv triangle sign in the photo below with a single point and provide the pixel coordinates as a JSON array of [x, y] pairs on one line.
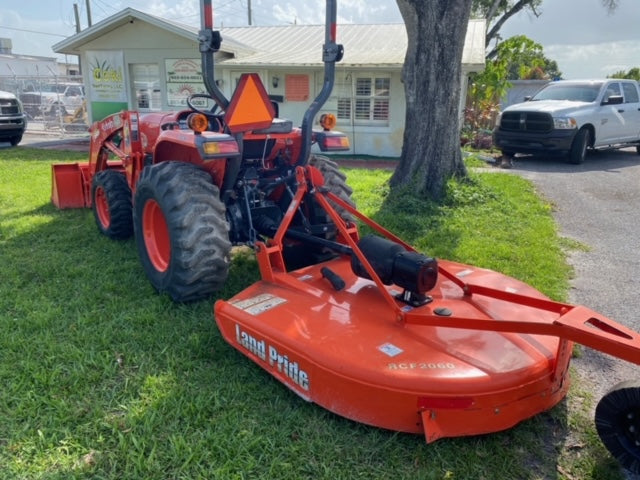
[[250, 107]]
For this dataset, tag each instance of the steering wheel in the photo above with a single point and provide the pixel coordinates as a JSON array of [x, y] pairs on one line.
[[208, 113]]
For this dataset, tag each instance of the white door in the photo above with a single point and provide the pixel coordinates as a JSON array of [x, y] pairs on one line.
[[630, 111]]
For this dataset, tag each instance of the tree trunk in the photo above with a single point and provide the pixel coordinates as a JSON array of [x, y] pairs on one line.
[[436, 32]]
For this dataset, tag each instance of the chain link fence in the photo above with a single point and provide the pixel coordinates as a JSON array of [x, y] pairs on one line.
[[55, 105]]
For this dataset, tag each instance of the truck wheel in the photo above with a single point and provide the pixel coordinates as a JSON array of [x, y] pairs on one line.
[[181, 232], [618, 423], [638, 149], [15, 140], [579, 147], [111, 204], [299, 255]]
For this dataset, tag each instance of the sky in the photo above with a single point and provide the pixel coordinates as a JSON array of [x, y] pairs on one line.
[[579, 35]]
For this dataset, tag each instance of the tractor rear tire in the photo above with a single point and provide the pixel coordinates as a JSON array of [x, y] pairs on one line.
[[111, 204], [299, 255], [618, 423], [181, 231], [336, 182]]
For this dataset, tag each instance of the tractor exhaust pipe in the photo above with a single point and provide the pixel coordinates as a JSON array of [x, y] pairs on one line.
[[331, 53], [210, 41]]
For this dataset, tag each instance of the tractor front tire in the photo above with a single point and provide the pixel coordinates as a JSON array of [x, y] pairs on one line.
[[181, 231], [111, 204]]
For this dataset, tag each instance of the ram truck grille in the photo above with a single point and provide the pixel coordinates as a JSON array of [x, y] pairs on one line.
[[9, 107], [526, 122]]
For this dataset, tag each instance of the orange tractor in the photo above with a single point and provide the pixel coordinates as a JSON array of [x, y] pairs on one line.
[[366, 327]]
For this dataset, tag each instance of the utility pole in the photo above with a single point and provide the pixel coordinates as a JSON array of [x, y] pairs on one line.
[[88, 4], [249, 11], [77, 15]]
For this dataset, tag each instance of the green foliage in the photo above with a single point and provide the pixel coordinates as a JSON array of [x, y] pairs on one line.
[[631, 74], [104, 379], [518, 57]]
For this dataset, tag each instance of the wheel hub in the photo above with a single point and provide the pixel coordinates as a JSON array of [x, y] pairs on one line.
[[156, 236]]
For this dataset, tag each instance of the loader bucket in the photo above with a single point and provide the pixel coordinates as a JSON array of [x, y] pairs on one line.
[[67, 185]]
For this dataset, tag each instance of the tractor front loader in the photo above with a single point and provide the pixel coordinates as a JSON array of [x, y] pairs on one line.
[[366, 327]]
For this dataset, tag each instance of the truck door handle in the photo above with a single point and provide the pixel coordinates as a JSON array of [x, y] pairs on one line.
[[622, 110]]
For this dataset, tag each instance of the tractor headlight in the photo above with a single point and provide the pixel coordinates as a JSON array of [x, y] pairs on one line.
[[564, 123]]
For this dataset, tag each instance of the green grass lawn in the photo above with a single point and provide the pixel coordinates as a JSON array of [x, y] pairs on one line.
[[101, 378]]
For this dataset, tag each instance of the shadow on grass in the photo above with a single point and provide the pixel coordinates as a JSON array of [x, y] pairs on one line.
[[103, 378]]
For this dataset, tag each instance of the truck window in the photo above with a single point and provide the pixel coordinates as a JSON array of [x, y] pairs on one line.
[[630, 93], [613, 89], [576, 93]]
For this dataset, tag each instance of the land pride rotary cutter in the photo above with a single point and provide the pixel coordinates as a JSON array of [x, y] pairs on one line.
[[366, 327]]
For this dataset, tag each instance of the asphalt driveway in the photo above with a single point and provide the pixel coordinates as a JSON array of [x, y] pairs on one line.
[[598, 204]]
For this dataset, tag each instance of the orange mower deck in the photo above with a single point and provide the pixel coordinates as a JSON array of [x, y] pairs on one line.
[[484, 354]]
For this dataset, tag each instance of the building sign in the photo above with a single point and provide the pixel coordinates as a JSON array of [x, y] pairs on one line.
[[106, 87], [184, 78]]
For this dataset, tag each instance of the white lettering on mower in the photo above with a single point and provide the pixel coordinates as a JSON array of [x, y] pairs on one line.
[[276, 360], [251, 343]]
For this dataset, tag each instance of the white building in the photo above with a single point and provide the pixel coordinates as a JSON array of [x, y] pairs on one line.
[[14, 65], [133, 60]]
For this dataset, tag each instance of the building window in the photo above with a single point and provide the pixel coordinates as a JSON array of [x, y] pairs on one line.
[[146, 85], [368, 102], [296, 88]]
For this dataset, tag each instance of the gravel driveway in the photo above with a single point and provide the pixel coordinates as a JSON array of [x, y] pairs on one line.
[[598, 204]]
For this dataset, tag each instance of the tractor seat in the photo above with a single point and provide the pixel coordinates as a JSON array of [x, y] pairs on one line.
[[278, 125]]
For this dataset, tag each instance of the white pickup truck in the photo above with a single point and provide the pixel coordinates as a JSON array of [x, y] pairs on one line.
[[568, 116]]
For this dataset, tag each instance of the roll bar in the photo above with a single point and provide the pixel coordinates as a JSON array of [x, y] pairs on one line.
[[210, 41], [332, 52]]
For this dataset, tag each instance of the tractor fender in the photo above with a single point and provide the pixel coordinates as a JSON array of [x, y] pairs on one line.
[[187, 146]]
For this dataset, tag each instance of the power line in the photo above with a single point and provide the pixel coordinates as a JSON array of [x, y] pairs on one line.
[[34, 31]]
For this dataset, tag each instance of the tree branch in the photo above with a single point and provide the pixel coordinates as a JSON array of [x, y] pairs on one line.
[[492, 11], [515, 9]]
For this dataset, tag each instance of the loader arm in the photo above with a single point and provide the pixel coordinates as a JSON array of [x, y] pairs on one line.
[[116, 135], [119, 135]]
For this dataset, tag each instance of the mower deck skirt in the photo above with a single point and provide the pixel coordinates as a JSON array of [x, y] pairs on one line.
[[345, 351]]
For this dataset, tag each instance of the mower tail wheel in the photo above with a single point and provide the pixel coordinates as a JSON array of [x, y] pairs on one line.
[[618, 423], [181, 231], [111, 204]]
